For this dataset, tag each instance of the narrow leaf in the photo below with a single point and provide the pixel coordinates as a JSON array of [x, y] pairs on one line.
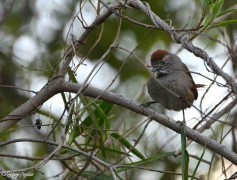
[[96, 175], [227, 11], [217, 8], [195, 170], [147, 161], [185, 156], [223, 23], [127, 144]]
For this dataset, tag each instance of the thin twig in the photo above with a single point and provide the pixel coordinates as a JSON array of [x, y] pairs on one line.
[[184, 41]]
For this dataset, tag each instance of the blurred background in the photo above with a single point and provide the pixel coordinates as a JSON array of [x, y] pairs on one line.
[[34, 37]]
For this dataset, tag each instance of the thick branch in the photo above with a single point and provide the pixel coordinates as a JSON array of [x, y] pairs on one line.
[[160, 118], [48, 91], [30, 106], [59, 85]]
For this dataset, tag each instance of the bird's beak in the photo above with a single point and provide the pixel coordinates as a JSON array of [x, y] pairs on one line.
[[155, 69]]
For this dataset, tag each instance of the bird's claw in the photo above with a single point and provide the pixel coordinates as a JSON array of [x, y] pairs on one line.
[[147, 104]]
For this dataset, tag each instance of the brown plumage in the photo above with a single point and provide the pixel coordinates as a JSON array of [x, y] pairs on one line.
[[171, 83]]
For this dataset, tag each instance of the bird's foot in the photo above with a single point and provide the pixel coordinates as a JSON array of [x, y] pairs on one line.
[[181, 124], [147, 104]]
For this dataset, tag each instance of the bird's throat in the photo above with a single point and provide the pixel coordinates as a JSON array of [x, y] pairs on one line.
[[161, 73]]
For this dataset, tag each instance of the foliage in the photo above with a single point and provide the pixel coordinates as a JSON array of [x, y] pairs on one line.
[[103, 140]]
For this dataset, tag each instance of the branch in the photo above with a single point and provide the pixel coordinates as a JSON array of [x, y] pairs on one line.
[[78, 151], [217, 115], [150, 113], [184, 41], [30, 106], [49, 89], [71, 50], [59, 85]]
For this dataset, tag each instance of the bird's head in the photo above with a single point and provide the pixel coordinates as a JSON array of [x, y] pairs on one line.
[[160, 63]]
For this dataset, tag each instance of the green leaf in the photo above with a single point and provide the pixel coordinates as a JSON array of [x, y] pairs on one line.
[[91, 125], [72, 76], [217, 8], [99, 119], [127, 144], [214, 11], [147, 161], [195, 170], [69, 123], [223, 23], [185, 156], [96, 175], [227, 11], [205, 6]]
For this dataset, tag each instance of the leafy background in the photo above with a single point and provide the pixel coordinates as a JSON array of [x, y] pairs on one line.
[[34, 36]]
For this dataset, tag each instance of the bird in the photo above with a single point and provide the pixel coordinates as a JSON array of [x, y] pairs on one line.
[[171, 83]]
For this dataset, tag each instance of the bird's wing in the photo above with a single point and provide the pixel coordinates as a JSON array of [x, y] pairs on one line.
[[193, 87]]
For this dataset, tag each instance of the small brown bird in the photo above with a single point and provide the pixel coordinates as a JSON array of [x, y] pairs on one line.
[[171, 84]]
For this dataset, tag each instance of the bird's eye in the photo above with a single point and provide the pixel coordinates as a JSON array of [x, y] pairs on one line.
[[163, 62]]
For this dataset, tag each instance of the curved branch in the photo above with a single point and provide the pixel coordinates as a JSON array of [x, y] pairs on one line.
[[150, 113], [71, 50], [48, 90], [31, 105], [45, 141], [59, 85], [184, 41]]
